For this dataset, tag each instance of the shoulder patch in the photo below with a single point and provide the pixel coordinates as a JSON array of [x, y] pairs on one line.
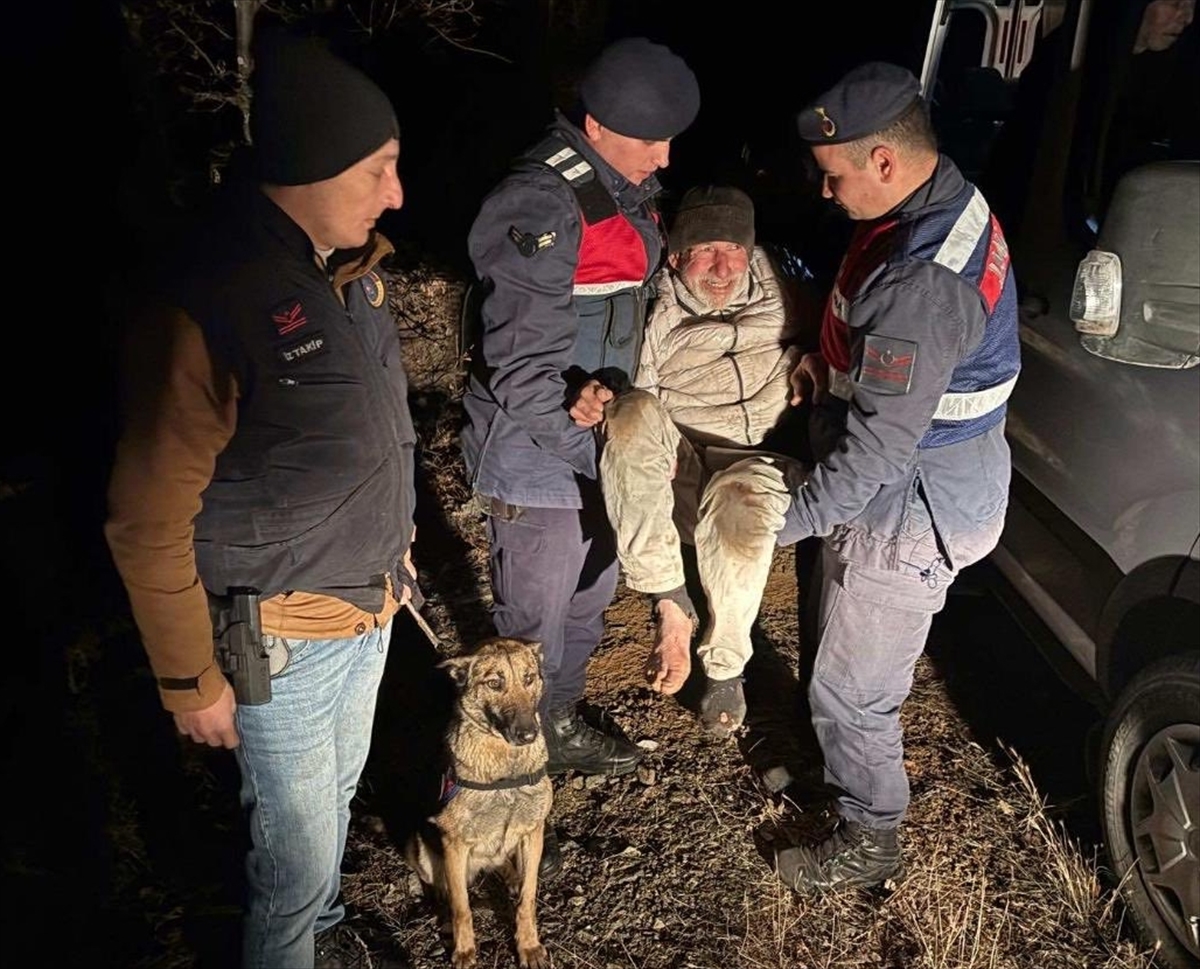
[[374, 289], [529, 244], [887, 364], [288, 316]]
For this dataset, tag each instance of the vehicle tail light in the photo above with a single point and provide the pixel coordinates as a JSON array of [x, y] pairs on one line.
[[1096, 297]]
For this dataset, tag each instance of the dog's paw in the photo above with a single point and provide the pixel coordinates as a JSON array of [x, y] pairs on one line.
[[535, 957], [463, 958]]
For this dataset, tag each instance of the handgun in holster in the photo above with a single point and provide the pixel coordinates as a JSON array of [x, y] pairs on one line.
[[238, 644]]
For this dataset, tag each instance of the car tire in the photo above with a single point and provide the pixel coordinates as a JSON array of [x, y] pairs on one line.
[[1150, 801]]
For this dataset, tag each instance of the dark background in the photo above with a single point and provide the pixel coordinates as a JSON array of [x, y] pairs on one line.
[[93, 142], [95, 139]]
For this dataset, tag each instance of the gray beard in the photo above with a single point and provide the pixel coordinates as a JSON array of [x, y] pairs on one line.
[[699, 303]]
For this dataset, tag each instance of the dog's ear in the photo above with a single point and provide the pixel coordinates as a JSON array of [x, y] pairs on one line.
[[459, 669], [536, 649]]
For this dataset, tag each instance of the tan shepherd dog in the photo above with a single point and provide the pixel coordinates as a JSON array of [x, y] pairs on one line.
[[498, 795]]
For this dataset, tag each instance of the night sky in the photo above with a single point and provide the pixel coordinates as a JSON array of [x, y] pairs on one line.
[[78, 126]]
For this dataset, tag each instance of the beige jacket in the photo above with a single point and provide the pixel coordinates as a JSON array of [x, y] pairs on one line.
[[723, 377]]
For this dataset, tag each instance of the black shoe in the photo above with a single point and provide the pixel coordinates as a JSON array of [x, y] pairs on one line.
[[341, 948], [723, 706], [575, 745], [854, 856], [551, 861]]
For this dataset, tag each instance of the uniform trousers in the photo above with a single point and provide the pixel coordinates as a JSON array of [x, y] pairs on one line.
[[553, 573], [880, 587]]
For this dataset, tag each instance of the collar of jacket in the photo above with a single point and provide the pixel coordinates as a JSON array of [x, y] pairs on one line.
[[940, 188], [628, 195]]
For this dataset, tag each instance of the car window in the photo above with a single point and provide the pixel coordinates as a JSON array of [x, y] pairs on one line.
[[1130, 98]]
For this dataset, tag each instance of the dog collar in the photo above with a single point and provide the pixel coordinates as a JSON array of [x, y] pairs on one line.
[[452, 784]]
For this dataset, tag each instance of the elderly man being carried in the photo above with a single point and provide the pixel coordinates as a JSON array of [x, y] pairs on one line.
[[696, 451]]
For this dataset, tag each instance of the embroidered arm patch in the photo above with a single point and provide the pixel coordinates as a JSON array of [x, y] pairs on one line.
[[529, 244], [887, 364]]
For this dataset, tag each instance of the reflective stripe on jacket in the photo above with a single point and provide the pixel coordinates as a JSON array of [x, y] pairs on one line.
[[966, 238]]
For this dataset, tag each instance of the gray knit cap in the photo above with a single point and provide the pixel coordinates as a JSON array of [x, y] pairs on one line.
[[713, 213]]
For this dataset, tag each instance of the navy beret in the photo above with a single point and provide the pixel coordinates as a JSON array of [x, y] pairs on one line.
[[866, 100], [641, 90], [312, 114]]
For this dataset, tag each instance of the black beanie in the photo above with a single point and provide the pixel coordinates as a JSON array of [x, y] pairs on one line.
[[713, 213], [641, 90], [312, 115]]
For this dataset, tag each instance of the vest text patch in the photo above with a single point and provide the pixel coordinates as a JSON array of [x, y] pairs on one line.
[[308, 348]]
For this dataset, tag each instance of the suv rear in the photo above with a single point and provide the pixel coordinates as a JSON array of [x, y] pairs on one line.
[[1101, 551]]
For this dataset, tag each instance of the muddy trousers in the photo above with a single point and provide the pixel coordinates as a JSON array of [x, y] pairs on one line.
[[553, 573], [661, 491], [875, 611]]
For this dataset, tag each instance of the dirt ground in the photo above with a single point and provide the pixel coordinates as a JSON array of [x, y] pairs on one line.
[[663, 869]]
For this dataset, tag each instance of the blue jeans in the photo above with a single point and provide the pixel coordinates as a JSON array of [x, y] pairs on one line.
[[300, 757]]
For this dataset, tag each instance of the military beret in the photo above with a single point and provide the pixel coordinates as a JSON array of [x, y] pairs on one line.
[[866, 100], [641, 90]]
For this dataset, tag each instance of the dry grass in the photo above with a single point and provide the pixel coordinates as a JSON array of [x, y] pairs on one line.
[[664, 869]]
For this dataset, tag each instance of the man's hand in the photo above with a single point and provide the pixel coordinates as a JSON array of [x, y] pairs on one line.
[[405, 591], [810, 379], [213, 725], [588, 409]]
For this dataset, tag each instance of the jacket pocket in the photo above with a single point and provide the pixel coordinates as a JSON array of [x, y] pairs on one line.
[[921, 550]]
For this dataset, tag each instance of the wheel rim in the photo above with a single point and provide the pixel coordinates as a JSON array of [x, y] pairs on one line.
[[1164, 819]]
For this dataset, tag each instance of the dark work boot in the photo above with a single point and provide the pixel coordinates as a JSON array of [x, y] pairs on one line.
[[723, 706], [551, 855], [341, 948], [853, 856], [575, 745]]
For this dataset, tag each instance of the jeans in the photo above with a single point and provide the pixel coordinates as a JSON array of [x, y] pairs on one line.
[[300, 757]]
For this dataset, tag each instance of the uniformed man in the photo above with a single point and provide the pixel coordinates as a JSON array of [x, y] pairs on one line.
[[918, 354], [564, 248]]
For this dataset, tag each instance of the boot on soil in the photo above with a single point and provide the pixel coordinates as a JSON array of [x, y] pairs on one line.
[[551, 861], [341, 947], [723, 706], [575, 745], [853, 856]]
